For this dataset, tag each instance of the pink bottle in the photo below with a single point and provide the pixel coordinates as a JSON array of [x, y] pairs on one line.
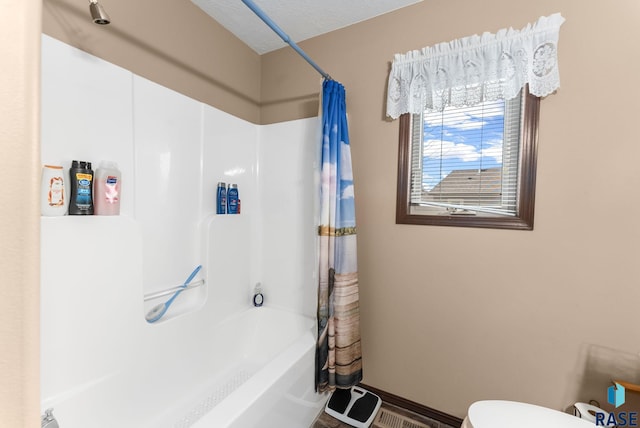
[[106, 192]]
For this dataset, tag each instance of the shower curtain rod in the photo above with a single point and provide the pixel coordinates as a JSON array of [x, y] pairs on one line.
[[251, 5]]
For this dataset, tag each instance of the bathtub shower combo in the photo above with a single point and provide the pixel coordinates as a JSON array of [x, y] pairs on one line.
[[265, 381], [213, 359]]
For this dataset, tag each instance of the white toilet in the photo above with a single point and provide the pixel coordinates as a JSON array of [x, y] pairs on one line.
[[510, 414]]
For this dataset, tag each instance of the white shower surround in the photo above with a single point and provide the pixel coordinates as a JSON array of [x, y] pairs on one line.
[[96, 346]]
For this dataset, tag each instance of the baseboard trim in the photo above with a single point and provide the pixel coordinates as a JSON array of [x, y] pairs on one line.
[[414, 407]]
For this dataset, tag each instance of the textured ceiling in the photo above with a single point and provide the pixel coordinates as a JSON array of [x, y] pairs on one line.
[[299, 19]]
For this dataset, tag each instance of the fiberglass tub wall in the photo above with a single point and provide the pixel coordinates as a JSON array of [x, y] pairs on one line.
[[93, 270]]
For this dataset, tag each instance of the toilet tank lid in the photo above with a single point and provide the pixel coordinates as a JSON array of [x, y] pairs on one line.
[[508, 414]]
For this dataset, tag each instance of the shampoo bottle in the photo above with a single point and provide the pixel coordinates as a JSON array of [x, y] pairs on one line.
[[232, 199], [54, 200], [107, 185], [221, 198], [81, 177]]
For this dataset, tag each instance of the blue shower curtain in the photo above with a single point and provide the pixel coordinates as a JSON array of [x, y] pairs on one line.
[[338, 351]]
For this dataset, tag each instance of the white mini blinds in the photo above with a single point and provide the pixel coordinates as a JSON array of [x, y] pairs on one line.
[[465, 160], [476, 69]]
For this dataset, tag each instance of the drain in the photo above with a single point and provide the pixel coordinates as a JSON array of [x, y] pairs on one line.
[[388, 419]]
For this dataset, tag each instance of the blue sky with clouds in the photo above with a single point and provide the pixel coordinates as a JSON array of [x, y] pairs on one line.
[[462, 138], [339, 175], [347, 202]]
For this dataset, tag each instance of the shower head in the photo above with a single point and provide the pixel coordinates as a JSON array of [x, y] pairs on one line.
[[98, 14]]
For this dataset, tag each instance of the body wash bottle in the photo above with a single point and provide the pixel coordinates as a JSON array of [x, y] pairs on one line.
[[81, 177], [107, 185], [54, 200], [232, 199]]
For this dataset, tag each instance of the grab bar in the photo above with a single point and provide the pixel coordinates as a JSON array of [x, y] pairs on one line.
[[168, 291]]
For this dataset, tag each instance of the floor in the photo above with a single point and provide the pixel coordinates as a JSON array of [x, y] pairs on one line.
[[411, 420]]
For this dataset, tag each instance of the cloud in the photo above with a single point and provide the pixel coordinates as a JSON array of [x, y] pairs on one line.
[[450, 150], [465, 152], [494, 150], [466, 117], [347, 192], [327, 176], [345, 162]]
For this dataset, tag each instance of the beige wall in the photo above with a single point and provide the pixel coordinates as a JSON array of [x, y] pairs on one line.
[[19, 212], [454, 315], [449, 315], [169, 42]]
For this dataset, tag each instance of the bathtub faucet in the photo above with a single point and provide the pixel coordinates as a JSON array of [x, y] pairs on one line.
[[48, 420]]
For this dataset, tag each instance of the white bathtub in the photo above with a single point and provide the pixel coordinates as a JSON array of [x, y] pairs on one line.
[[255, 370]]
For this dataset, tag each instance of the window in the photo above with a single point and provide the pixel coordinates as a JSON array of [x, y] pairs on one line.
[[469, 166]]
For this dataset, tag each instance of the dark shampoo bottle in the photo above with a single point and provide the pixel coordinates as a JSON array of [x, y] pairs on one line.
[[81, 178]]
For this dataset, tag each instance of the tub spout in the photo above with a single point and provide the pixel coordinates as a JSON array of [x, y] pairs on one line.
[[48, 420]]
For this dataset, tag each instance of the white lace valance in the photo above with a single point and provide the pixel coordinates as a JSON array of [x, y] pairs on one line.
[[478, 68]]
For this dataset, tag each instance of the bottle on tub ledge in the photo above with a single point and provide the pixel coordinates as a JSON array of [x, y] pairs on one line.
[[233, 201], [81, 177], [107, 189]]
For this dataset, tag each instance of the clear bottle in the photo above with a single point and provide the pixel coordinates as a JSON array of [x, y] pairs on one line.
[[107, 189]]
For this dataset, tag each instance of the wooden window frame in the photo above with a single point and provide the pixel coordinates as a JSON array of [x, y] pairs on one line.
[[526, 186]]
